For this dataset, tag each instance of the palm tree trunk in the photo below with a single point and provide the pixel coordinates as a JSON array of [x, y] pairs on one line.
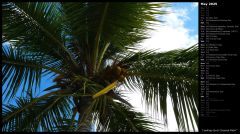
[[84, 123], [85, 119]]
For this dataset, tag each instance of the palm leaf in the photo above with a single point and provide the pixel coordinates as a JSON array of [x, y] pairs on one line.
[[108, 26], [36, 23], [49, 113], [172, 73], [127, 119], [110, 115], [25, 69]]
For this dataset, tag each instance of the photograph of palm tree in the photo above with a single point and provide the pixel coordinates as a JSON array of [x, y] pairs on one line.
[[99, 67]]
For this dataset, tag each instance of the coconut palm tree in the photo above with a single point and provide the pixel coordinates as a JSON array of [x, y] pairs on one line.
[[90, 51]]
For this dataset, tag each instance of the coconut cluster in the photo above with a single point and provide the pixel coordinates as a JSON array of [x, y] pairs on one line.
[[115, 72], [120, 73]]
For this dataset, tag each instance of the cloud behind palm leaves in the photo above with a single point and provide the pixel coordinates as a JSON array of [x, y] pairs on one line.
[[174, 32]]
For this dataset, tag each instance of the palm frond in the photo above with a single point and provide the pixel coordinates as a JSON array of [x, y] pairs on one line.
[[24, 68], [49, 113], [36, 27], [122, 118], [109, 26], [109, 115], [26, 71], [171, 73], [67, 126]]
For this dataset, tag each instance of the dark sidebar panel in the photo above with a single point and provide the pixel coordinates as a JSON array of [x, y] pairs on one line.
[[219, 66]]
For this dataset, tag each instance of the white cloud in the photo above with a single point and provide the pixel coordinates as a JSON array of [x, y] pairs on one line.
[[195, 5], [171, 34]]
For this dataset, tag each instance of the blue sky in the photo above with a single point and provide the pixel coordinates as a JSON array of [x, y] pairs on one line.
[[183, 21], [192, 14]]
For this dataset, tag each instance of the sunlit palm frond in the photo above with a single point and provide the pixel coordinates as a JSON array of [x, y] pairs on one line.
[[171, 73], [112, 116], [127, 119]]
